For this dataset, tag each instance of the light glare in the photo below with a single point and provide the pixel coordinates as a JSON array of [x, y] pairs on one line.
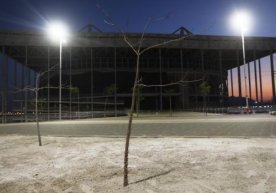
[[58, 31], [241, 20]]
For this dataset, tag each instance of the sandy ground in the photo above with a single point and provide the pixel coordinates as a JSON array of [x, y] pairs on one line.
[[156, 165]]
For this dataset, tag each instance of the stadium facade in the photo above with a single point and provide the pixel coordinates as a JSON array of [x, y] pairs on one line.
[[95, 61]]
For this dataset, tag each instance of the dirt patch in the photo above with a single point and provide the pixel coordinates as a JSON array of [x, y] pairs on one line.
[[156, 165]]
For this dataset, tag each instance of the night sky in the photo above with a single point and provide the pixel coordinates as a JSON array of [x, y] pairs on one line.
[[210, 17], [199, 16]]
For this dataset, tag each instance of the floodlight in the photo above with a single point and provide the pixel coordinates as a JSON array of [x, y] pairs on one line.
[[241, 20], [57, 31]]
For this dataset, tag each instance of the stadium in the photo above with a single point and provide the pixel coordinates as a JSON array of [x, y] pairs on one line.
[[98, 70]]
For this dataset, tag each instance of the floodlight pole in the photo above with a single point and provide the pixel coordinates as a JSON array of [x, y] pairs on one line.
[[245, 77], [60, 75]]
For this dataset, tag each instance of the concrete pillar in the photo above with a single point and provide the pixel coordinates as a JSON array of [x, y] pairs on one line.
[[272, 78], [260, 79]]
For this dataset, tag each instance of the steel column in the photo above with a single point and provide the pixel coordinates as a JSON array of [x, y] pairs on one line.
[[256, 81], [48, 83], [22, 93], [202, 70], [25, 84], [260, 79], [70, 82], [202, 60], [221, 78], [115, 81], [272, 78], [1, 85], [160, 79], [232, 89], [60, 79], [4, 81], [6, 85], [29, 84], [239, 73], [92, 82], [182, 77], [249, 80], [15, 82], [220, 66]]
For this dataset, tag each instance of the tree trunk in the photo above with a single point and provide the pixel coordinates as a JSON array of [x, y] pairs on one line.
[[130, 122]]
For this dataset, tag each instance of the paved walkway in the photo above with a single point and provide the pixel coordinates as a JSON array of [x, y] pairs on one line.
[[187, 125]]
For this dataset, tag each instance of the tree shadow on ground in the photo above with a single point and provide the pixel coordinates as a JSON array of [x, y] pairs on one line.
[[153, 176]]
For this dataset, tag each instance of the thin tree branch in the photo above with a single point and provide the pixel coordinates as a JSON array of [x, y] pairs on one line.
[[49, 70], [110, 22], [166, 42], [180, 82], [143, 34], [23, 90], [46, 87], [130, 45]]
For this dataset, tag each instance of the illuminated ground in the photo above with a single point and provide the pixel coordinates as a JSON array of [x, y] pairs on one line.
[[161, 165], [148, 125]]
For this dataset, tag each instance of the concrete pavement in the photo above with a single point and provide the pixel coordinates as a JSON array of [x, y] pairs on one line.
[[186, 125]]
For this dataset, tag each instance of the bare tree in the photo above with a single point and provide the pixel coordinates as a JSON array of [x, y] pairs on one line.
[[36, 90], [139, 98], [138, 48]]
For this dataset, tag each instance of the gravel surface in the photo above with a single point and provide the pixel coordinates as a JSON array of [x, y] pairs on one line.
[[189, 165]]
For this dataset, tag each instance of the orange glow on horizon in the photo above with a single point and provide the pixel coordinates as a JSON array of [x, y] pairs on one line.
[[265, 79]]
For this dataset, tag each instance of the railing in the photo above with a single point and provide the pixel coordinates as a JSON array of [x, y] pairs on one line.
[[11, 118], [234, 110]]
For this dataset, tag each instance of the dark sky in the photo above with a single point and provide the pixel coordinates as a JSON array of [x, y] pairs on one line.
[[199, 16]]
